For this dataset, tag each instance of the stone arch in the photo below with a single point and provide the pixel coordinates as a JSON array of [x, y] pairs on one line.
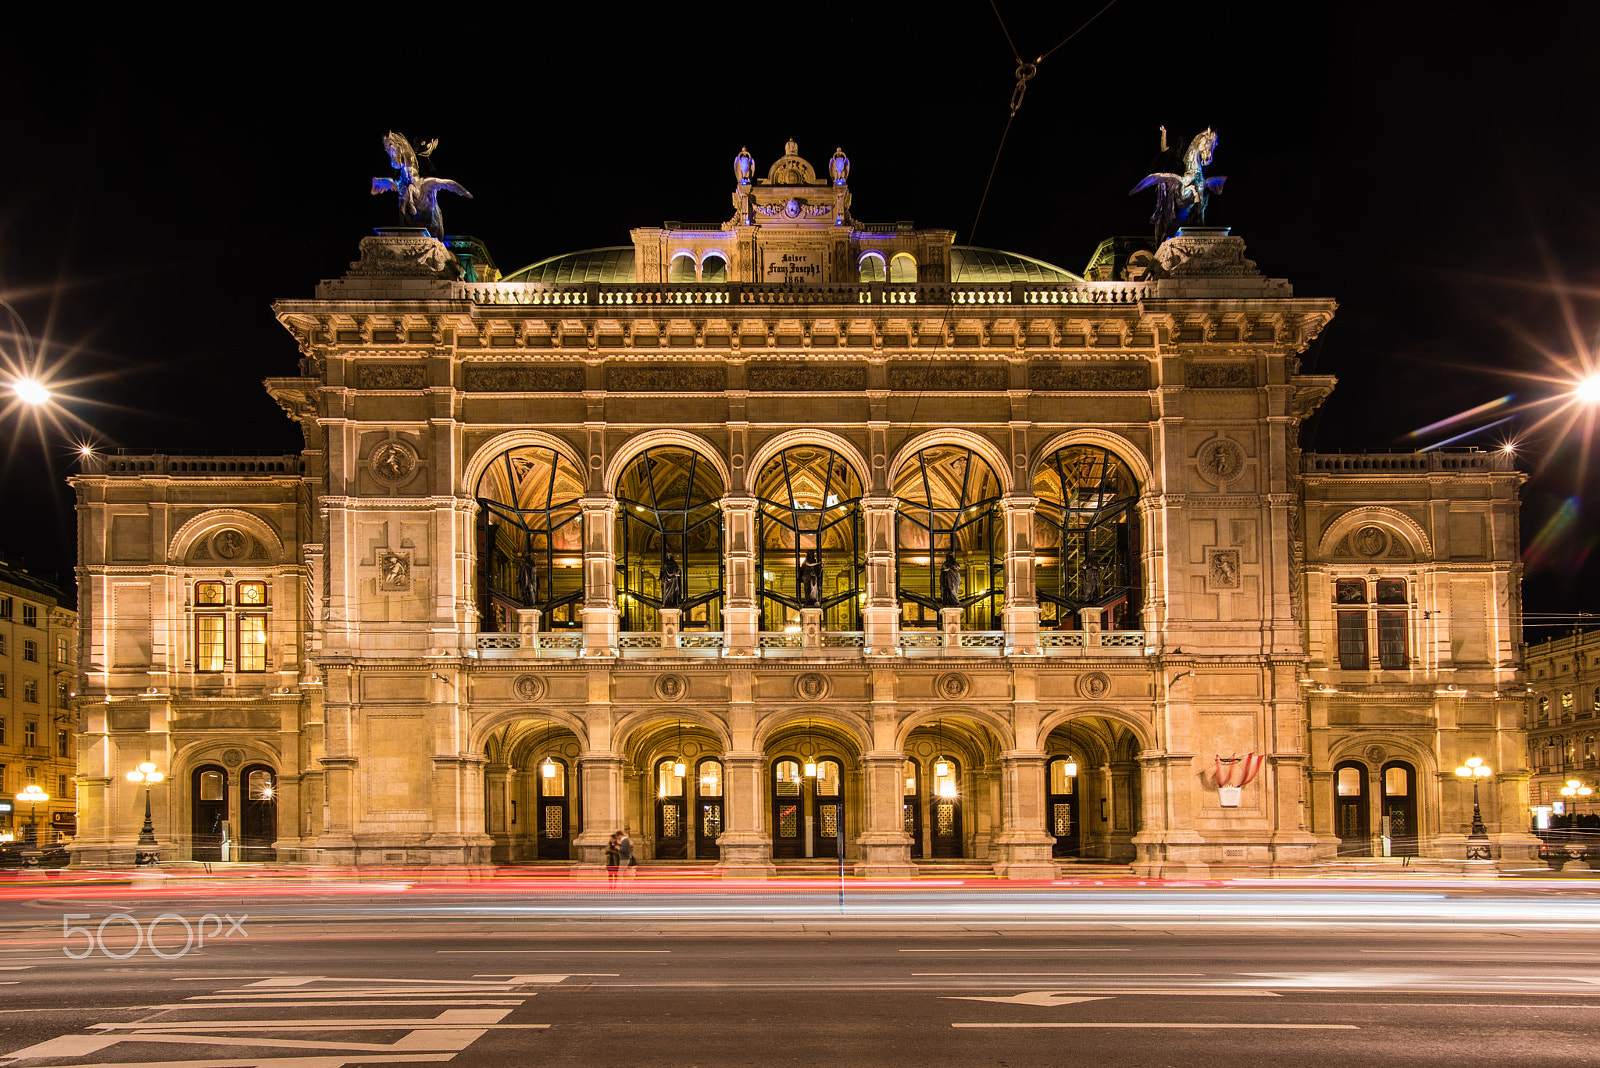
[[1391, 519], [852, 726], [879, 271], [1105, 439], [1141, 730], [956, 436], [650, 439], [500, 444], [898, 263], [997, 725], [192, 755], [484, 729], [823, 438], [632, 728], [1396, 747], [188, 535]]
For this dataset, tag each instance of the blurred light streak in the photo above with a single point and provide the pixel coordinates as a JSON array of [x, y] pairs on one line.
[[1467, 434], [1462, 416], [1541, 548]]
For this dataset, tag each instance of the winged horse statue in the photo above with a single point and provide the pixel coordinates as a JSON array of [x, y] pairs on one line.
[[1179, 196], [419, 196]]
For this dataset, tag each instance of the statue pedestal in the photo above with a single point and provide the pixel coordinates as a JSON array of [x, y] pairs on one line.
[[811, 627], [670, 618], [950, 626], [1093, 620], [528, 627]]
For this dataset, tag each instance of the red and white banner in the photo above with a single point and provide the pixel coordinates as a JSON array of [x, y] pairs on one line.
[[1238, 770]]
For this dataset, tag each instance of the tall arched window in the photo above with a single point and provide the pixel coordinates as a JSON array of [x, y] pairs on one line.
[[872, 267], [903, 268], [682, 268], [530, 538], [948, 509], [669, 531], [714, 267], [810, 514], [1086, 540]]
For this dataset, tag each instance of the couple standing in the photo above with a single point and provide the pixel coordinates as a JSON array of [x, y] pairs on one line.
[[619, 854]]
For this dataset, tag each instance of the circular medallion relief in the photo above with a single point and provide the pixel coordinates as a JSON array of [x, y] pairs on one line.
[[671, 687], [1221, 460], [529, 687], [952, 686], [691, 749], [233, 757], [1094, 685], [811, 686], [1376, 753], [392, 461], [230, 544], [924, 749], [1371, 541], [571, 750]]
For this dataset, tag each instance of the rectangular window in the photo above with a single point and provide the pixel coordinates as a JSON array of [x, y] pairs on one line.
[[208, 642], [61, 648], [1350, 591], [252, 593], [1392, 591], [30, 615], [5, 608], [30, 776], [30, 734], [61, 786], [2, 645], [63, 743], [2, 733], [2, 685], [30, 650], [1392, 655], [1352, 640], [30, 690], [252, 643], [208, 593]]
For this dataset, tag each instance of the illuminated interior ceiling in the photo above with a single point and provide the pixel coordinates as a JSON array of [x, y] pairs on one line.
[[969, 263], [948, 477], [531, 478], [1085, 482], [678, 485], [807, 477]]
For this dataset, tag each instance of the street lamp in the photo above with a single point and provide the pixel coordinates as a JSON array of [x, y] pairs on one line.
[[148, 854], [33, 795], [1575, 789], [1478, 840]]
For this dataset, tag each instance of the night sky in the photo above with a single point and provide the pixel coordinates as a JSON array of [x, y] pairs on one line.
[[1433, 168]]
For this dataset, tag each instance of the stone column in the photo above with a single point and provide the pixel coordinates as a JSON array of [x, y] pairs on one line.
[[881, 618], [336, 844], [1166, 843], [885, 845], [600, 616], [1023, 846], [603, 791], [528, 627], [1021, 612], [745, 845], [458, 819], [496, 781], [741, 609]]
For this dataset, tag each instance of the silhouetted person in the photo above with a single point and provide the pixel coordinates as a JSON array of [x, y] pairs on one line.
[[811, 580]]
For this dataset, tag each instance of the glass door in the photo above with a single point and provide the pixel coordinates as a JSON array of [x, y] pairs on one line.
[[1400, 808], [708, 810], [210, 812], [554, 829], [912, 802], [1061, 806], [787, 794], [258, 817], [828, 801], [946, 808], [1350, 820], [672, 830]]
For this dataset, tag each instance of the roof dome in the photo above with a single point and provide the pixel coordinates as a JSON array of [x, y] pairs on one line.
[[613, 264], [971, 264]]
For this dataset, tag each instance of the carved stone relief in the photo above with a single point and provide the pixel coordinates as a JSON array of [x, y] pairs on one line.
[[394, 571], [1094, 685], [389, 376], [952, 686], [230, 544], [1222, 569], [529, 687], [666, 379], [955, 377], [1221, 460], [671, 687], [811, 686], [393, 461], [1221, 376], [525, 379], [1371, 541], [798, 378], [1061, 377]]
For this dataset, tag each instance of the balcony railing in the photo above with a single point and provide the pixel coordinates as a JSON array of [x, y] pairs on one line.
[[784, 644], [595, 294]]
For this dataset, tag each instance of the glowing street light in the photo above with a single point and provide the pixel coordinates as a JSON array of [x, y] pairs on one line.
[[1575, 789], [1588, 391], [33, 796], [1478, 840], [148, 854], [31, 391]]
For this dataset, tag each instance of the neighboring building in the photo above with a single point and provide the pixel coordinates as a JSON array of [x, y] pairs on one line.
[[38, 732], [544, 570], [1564, 679]]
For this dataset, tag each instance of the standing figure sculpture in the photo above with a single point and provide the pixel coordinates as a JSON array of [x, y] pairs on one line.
[[811, 581], [1178, 196], [950, 582], [528, 579], [419, 196], [671, 583]]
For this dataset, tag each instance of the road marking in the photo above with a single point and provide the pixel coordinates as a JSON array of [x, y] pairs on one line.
[[1044, 998], [1186, 991], [1064, 949], [329, 1003], [1196, 1026], [1104, 975], [15, 967], [474, 952]]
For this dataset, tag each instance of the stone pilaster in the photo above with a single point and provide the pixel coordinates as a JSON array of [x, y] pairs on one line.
[[744, 844], [1022, 845], [600, 617], [1021, 612], [603, 809], [885, 846], [741, 612], [881, 618]]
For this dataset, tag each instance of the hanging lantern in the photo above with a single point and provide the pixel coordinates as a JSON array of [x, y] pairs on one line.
[[911, 783], [811, 757], [679, 768], [1072, 767], [941, 767], [548, 768]]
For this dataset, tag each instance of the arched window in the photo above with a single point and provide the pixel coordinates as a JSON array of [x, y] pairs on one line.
[[714, 267], [1544, 710], [810, 515], [669, 540], [1086, 539], [872, 267], [948, 515], [530, 538], [903, 268], [1596, 705], [682, 268]]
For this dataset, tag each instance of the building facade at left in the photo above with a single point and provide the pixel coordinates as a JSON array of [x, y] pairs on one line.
[[38, 747]]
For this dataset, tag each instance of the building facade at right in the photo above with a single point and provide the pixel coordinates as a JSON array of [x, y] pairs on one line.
[[1564, 684]]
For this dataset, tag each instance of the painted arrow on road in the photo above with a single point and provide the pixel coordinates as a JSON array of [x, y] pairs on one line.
[[1033, 997]]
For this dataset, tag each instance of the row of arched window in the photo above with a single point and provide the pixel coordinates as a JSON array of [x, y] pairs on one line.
[[1561, 751], [712, 266], [1567, 706], [810, 537]]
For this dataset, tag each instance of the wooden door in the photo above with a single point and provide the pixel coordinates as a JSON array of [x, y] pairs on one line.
[[1350, 810], [788, 820], [258, 815], [672, 812], [209, 812], [553, 832], [827, 824], [1400, 808], [946, 808], [708, 810], [912, 807], [1061, 807]]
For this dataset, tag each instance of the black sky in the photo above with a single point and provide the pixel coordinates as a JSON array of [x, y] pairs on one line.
[[1434, 168]]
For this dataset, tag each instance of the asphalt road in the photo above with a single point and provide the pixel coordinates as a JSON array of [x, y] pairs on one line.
[[346, 974]]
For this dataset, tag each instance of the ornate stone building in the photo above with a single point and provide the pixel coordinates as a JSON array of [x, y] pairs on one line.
[[1564, 676], [791, 534], [38, 669]]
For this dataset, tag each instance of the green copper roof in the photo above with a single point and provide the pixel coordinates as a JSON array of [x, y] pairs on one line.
[[615, 264], [971, 264]]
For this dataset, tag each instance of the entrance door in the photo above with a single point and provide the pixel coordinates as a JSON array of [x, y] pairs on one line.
[[258, 816], [912, 802], [1400, 808], [946, 808], [1350, 804], [210, 812], [828, 800], [1061, 807], [787, 822], [672, 816], [554, 829], [708, 810]]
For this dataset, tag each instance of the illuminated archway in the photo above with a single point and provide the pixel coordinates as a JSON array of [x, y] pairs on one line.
[[1086, 538], [948, 520], [530, 538], [809, 515], [669, 539]]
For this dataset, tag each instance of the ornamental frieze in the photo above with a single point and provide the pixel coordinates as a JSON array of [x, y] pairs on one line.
[[389, 376], [1134, 376], [803, 378], [666, 379], [954, 377], [525, 379], [1221, 376]]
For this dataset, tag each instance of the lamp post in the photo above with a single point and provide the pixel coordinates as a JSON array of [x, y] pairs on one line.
[[33, 795], [1478, 840], [148, 854], [1575, 789]]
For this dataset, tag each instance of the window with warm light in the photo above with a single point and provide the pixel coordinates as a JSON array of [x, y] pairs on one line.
[[552, 778], [786, 779], [944, 778], [1349, 781], [1063, 775], [252, 643], [668, 782], [827, 778], [209, 647], [210, 593], [710, 778]]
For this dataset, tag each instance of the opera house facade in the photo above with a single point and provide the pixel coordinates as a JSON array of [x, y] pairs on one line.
[[793, 537]]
